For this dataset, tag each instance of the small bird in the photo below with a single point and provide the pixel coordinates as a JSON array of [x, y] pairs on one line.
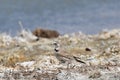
[[60, 57], [64, 58]]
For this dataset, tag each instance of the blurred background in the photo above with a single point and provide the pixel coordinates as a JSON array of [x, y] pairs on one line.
[[65, 16]]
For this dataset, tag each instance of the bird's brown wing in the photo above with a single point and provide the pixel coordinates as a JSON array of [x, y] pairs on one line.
[[62, 58]]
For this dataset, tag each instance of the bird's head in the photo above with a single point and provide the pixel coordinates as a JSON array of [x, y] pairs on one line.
[[57, 45]]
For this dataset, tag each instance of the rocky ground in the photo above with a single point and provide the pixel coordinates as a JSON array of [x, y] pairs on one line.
[[24, 58]]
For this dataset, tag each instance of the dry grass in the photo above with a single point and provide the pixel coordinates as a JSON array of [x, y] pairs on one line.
[[100, 53]]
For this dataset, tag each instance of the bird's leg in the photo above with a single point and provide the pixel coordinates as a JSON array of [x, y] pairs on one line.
[[68, 65]]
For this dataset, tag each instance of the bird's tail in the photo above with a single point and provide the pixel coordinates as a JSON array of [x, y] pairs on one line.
[[78, 59]]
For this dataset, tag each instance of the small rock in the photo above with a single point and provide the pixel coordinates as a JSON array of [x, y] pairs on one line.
[[87, 49]]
